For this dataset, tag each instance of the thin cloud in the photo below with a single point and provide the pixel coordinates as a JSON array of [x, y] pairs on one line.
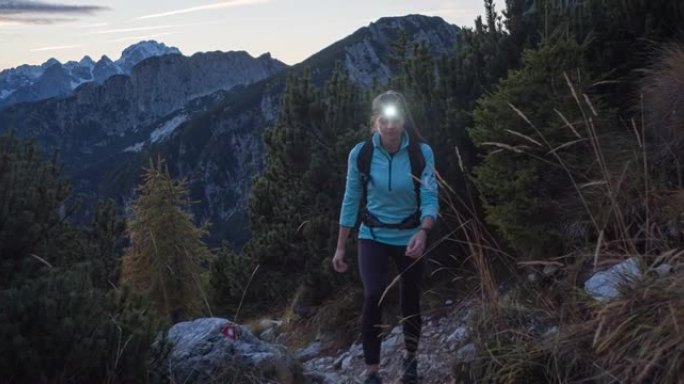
[[24, 6], [223, 4], [146, 37], [151, 28], [13, 12], [54, 48], [11, 20]]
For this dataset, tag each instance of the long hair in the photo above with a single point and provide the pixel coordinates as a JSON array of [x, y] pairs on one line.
[[394, 97]]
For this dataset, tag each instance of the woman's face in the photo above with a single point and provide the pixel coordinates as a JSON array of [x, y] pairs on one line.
[[390, 128]]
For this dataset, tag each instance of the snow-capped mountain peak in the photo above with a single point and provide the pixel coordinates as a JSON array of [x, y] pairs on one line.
[[141, 51], [54, 79]]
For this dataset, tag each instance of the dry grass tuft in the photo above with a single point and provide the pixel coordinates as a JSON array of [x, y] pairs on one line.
[[639, 335]]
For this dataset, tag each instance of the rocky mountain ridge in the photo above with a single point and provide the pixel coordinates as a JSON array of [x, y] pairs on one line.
[[27, 83]]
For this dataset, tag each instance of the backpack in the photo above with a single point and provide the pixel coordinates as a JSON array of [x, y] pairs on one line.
[[363, 162]]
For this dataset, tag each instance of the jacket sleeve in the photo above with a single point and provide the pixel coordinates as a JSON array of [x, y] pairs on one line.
[[429, 200], [352, 191]]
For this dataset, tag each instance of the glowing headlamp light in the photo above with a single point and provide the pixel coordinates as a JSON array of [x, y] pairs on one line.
[[390, 111]]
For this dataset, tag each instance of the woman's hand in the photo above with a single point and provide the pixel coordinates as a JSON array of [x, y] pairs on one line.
[[416, 246], [338, 261]]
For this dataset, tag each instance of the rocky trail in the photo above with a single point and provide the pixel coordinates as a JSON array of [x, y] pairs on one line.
[[444, 338]]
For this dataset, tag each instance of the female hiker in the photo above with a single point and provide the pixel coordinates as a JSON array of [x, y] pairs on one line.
[[391, 178]]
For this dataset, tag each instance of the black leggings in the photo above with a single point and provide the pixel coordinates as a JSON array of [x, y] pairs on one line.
[[373, 265]]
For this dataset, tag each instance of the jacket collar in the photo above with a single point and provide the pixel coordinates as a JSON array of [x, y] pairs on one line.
[[378, 144]]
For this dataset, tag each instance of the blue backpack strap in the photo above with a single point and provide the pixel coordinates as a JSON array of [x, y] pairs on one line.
[[417, 166]]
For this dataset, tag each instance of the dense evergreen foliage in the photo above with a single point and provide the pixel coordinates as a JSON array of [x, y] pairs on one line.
[[62, 318]]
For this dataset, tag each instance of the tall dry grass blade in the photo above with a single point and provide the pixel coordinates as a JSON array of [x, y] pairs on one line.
[[589, 125], [515, 149], [443, 184], [589, 103], [398, 277], [299, 228], [636, 133], [244, 292], [42, 260], [565, 145], [460, 159], [675, 321], [597, 250], [531, 140], [433, 245], [592, 184], [522, 115], [567, 123], [572, 89]]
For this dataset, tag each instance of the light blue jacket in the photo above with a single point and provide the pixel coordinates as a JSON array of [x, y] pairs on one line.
[[391, 194]]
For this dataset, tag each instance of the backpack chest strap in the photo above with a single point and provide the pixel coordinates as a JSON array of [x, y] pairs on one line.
[[364, 161]]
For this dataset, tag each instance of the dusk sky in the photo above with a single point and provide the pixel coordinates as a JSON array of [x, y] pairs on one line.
[[292, 30]]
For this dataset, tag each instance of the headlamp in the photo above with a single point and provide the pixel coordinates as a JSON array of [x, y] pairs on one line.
[[390, 111]]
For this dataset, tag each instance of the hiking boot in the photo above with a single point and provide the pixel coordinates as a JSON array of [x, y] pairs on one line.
[[409, 366], [373, 378]]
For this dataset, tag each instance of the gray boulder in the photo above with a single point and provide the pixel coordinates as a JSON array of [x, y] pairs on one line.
[[202, 351], [605, 285]]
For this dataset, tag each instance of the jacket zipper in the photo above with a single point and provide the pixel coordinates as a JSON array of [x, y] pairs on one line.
[[389, 181]]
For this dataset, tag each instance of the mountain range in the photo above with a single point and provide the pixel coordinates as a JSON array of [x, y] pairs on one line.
[[204, 114], [54, 79]]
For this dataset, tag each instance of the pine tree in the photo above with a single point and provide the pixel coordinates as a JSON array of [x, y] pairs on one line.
[[526, 191], [344, 114], [491, 17], [166, 257]]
